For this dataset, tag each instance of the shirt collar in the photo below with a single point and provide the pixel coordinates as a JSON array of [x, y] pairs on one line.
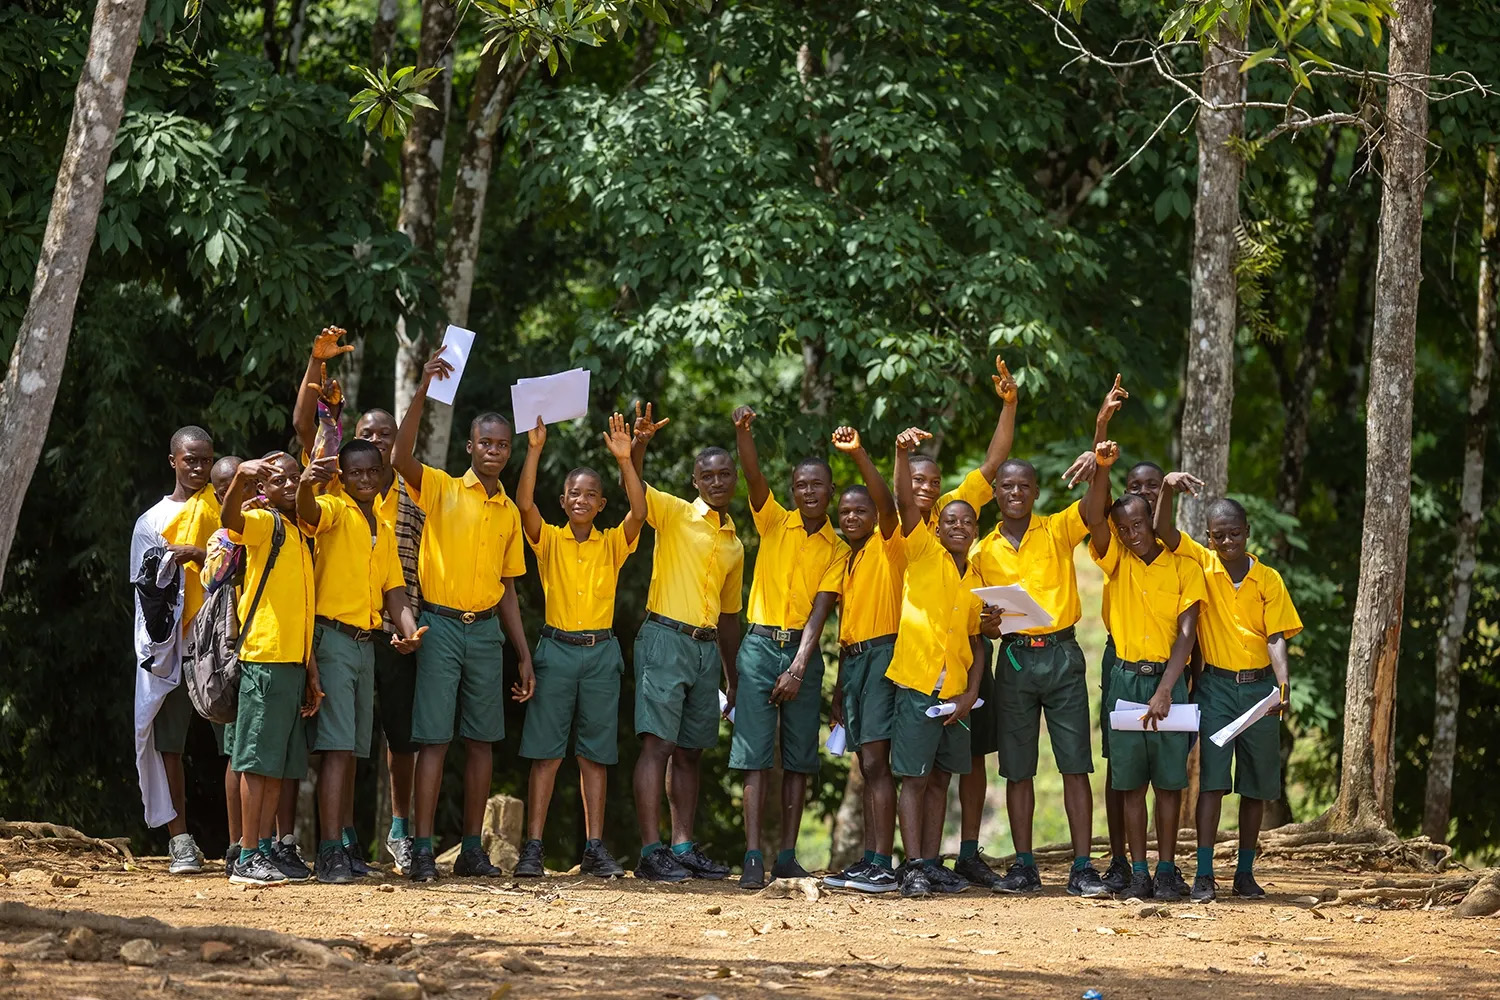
[[471, 480], [794, 521], [702, 509], [566, 530]]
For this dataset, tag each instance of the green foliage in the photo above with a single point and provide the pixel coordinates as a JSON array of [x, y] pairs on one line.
[[389, 101]]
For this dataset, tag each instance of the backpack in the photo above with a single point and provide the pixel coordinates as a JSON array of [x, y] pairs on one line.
[[211, 657]]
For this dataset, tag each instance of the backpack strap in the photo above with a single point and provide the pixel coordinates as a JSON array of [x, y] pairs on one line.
[[278, 536]]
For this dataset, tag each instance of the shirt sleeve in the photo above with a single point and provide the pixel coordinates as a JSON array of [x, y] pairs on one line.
[[1190, 548], [1109, 563], [975, 490], [1281, 614], [513, 561], [257, 529], [833, 576], [770, 515], [618, 548], [434, 481], [1067, 525], [732, 595], [543, 543], [328, 512], [918, 542], [661, 508], [1192, 587]]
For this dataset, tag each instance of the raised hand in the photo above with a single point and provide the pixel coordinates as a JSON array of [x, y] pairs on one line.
[[1005, 385], [743, 417], [1106, 453], [537, 436], [617, 439], [1182, 482], [436, 367], [326, 345], [410, 643], [1113, 400], [846, 439], [910, 438], [321, 470], [645, 427], [1082, 469], [327, 388]]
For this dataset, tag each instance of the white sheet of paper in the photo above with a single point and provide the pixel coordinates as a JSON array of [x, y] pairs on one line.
[[457, 343], [1256, 712], [1180, 718], [1019, 609], [838, 741], [723, 703], [945, 708], [554, 398]]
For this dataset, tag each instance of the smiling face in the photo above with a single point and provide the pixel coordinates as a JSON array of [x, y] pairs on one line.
[[857, 516], [279, 483], [926, 483], [1228, 533], [1133, 525], [1144, 481], [190, 460], [812, 489], [489, 447], [582, 497], [361, 474], [716, 477], [1016, 490], [957, 528], [379, 428]]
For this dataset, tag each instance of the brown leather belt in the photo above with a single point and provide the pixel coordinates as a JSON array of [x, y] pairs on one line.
[[467, 617], [782, 636], [1240, 676], [578, 638], [703, 633], [357, 634], [855, 648]]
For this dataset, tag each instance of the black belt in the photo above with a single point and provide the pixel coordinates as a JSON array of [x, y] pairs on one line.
[[357, 634], [703, 633], [1143, 667], [467, 617], [578, 638], [855, 648], [1241, 676], [784, 636], [1045, 639]]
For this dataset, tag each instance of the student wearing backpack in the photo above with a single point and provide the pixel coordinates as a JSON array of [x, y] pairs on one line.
[[278, 683]]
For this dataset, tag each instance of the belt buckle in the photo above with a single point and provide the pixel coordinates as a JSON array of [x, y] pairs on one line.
[[702, 634], [1148, 670], [1036, 642], [593, 637], [468, 618], [362, 635], [1243, 676], [781, 635]]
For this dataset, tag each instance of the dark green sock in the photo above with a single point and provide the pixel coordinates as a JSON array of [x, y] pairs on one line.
[[646, 849], [594, 843], [469, 841], [351, 836], [1205, 862], [1079, 864], [266, 843], [682, 848], [1165, 868], [754, 856], [1246, 862], [968, 849], [871, 855], [328, 845], [1120, 858], [398, 827], [246, 853], [422, 844], [1026, 858], [883, 860], [1141, 867], [785, 857]]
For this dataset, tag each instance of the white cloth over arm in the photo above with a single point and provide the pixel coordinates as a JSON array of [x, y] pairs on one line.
[[158, 667]]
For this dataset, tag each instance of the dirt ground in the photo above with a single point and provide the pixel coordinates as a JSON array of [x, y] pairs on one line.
[[568, 936]]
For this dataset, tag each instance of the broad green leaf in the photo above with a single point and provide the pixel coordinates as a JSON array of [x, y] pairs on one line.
[[1256, 58]]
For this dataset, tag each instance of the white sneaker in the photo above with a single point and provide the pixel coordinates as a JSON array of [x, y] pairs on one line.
[[186, 858]]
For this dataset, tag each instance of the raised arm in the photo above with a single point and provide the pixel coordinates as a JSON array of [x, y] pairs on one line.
[[1113, 400], [620, 444], [531, 518], [1162, 520], [645, 430], [403, 452], [744, 441], [231, 515], [1096, 500], [325, 348], [1182, 648], [318, 473], [1005, 427], [906, 500], [846, 440]]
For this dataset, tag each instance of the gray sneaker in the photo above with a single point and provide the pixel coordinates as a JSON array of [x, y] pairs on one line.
[[186, 858], [399, 848], [256, 870]]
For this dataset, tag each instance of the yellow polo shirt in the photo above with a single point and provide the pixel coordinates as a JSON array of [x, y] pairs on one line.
[[470, 543], [352, 568], [579, 578], [194, 524], [1043, 564], [975, 490], [792, 567], [385, 503], [281, 631], [871, 604], [699, 564], [1145, 600], [1233, 628], [939, 614]]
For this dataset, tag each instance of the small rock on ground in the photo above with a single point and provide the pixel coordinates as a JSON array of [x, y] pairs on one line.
[[139, 951], [399, 991], [83, 945], [216, 951]]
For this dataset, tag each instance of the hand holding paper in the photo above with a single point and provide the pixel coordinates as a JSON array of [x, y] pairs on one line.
[[1018, 609], [553, 398], [723, 704], [1129, 715], [944, 709], [457, 343], [838, 740], [1256, 712]]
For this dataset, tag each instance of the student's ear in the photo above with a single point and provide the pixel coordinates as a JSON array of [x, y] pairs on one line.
[[562, 501], [469, 446]]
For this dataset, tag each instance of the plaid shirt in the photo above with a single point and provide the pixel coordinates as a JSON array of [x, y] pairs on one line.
[[409, 521]]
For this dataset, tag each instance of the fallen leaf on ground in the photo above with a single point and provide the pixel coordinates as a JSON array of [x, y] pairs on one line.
[[1403, 961], [1259, 959], [817, 973], [716, 934]]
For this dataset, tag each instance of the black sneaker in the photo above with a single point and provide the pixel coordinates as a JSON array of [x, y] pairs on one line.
[[231, 855], [789, 869], [753, 874], [976, 871], [257, 869], [1018, 879], [399, 848], [599, 862], [1117, 876], [422, 866], [1086, 882], [661, 865], [474, 863], [1169, 886], [1139, 888], [357, 864], [914, 883], [874, 879], [530, 863], [1245, 887], [700, 865], [842, 879], [333, 866], [287, 859], [1204, 890], [944, 879]]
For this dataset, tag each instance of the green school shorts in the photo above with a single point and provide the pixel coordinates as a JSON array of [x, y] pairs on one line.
[[460, 673], [869, 698], [984, 721], [1028, 680], [677, 687], [269, 734], [577, 691], [170, 727], [1106, 705], [1137, 758], [752, 746], [346, 670], [395, 689], [1255, 753], [920, 745]]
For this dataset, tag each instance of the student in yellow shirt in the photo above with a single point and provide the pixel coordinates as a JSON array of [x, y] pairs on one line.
[[1243, 633], [937, 659], [864, 699], [219, 478], [799, 573], [356, 576], [578, 659], [470, 558], [691, 633], [278, 683], [1153, 598]]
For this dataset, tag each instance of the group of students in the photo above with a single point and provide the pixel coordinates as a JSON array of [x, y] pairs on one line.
[[407, 590]]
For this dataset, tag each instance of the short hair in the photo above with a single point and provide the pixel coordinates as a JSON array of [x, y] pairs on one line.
[[952, 503], [821, 463], [918, 457], [712, 451], [489, 417], [357, 446], [190, 434], [1160, 472], [228, 464], [1225, 507], [376, 412], [1015, 465], [856, 489], [1126, 500], [583, 470]]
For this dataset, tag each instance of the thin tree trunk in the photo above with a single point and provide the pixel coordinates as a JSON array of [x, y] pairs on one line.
[[296, 33], [1471, 513], [36, 362], [352, 370], [270, 39], [1208, 399], [383, 35], [645, 52], [1365, 785]]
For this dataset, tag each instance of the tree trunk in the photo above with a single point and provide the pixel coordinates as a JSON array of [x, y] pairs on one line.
[[1364, 798], [421, 173], [383, 35], [36, 362], [848, 840], [296, 33], [1208, 398], [1471, 513], [270, 39]]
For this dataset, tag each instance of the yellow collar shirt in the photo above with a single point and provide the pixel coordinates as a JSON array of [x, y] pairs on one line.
[[353, 568], [792, 567], [975, 490], [1145, 600], [1043, 564], [385, 503], [281, 631], [194, 524], [698, 568], [579, 578], [871, 603], [939, 615], [1237, 621], [471, 541]]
